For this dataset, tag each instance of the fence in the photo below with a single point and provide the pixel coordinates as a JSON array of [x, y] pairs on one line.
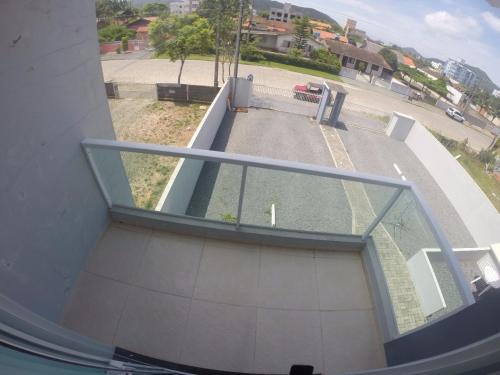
[[133, 45], [186, 93]]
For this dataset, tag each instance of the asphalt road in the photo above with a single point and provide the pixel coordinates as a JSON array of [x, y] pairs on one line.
[[361, 97]]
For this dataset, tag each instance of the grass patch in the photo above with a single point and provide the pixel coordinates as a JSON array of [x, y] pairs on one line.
[[270, 64], [476, 169], [155, 122]]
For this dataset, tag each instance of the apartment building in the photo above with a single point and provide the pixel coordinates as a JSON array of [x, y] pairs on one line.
[[184, 7], [458, 70], [284, 14]]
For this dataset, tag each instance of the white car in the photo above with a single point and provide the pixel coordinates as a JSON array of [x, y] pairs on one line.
[[455, 114]]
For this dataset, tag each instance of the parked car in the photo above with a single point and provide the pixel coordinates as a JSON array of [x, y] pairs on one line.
[[311, 92], [455, 114]]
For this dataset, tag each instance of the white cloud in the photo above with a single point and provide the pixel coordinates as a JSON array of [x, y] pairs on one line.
[[443, 22], [492, 20]]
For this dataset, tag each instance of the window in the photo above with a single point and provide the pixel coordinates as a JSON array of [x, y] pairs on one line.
[[351, 60], [375, 67], [273, 12], [286, 44], [278, 14]]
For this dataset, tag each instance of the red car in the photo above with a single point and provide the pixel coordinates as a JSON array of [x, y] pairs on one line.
[[310, 92]]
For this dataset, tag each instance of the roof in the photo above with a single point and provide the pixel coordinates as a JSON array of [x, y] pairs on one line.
[[141, 22], [320, 25], [324, 34], [358, 53], [343, 39], [408, 61], [271, 25]]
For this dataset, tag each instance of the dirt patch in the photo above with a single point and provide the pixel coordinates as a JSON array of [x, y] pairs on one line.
[[150, 121]]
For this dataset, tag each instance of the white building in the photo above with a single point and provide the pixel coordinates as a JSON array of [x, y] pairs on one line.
[[437, 65], [496, 93], [457, 70], [181, 8], [284, 14]]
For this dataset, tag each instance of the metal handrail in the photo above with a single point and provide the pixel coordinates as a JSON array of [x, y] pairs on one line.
[[248, 160]]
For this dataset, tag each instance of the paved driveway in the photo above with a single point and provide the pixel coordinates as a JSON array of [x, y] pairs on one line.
[[302, 202], [374, 152], [361, 96]]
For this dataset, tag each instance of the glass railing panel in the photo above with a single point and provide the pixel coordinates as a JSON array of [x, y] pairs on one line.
[[298, 201], [217, 191], [134, 179], [420, 282], [170, 185]]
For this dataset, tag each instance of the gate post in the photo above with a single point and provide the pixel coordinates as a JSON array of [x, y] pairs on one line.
[[325, 99]]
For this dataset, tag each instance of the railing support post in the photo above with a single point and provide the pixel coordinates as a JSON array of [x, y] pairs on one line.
[[242, 193], [382, 213]]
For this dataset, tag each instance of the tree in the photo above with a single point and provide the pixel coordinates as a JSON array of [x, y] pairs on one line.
[[178, 37], [355, 39], [155, 9], [361, 66], [390, 57], [111, 10], [324, 56], [302, 33], [221, 15], [494, 107], [113, 33]]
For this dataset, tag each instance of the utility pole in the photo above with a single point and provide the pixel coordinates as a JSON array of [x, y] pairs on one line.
[[238, 38]]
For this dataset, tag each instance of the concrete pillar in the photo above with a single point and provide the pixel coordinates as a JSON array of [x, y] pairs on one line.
[[399, 126], [368, 68], [52, 211]]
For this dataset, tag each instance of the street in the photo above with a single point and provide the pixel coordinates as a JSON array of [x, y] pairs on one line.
[[362, 96]]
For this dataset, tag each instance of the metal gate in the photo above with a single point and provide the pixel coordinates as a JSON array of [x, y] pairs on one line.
[[285, 100]]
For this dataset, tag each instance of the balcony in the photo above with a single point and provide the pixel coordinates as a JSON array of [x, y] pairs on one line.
[[227, 305]]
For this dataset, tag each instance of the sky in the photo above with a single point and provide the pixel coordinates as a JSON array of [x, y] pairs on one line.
[[467, 29]]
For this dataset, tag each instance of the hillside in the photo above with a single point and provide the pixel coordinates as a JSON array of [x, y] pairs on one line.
[[484, 81]]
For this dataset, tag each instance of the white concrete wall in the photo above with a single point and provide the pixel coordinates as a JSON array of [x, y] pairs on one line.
[[472, 205], [348, 72], [52, 211], [177, 195], [453, 94], [244, 89], [400, 88]]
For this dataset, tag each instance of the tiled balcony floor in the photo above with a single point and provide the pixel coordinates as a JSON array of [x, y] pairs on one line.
[[226, 305]]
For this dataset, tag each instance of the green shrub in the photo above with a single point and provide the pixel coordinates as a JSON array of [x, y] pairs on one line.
[[301, 62], [295, 52], [113, 33], [125, 44], [324, 56], [250, 52], [487, 157]]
